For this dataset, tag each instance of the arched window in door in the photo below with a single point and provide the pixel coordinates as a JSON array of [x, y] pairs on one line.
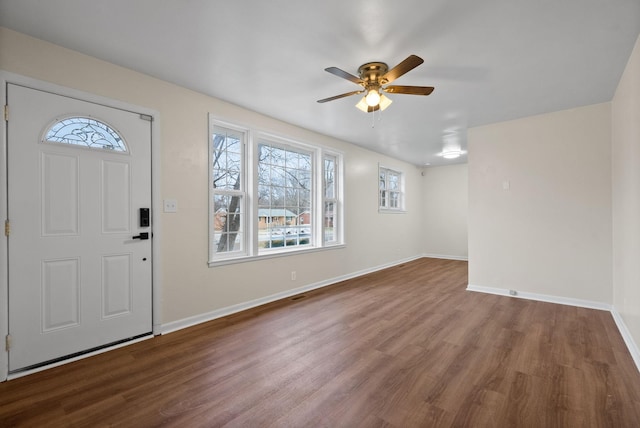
[[85, 132]]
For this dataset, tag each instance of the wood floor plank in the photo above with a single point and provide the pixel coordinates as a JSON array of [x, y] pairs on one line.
[[407, 346]]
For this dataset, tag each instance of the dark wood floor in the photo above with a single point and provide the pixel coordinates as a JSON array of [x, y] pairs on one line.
[[404, 347]]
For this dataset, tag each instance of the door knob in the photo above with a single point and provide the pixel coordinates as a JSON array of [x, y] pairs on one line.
[[142, 236]]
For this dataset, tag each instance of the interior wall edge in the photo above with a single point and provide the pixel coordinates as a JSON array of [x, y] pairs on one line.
[[627, 337], [617, 318]]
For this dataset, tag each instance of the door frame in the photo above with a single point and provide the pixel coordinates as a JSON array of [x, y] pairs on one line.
[[156, 204]]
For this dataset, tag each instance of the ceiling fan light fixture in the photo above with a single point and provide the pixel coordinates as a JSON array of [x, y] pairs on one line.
[[372, 98], [452, 154], [384, 102], [366, 108], [362, 105]]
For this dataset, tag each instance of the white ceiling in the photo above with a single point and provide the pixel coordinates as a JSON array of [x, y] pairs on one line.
[[490, 60]]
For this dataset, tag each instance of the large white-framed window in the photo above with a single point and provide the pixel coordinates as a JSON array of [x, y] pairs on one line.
[[270, 195], [390, 190]]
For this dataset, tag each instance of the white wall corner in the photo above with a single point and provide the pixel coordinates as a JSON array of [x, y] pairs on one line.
[[627, 337], [622, 327]]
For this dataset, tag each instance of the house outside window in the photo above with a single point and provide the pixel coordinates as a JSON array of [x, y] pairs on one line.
[[270, 195]]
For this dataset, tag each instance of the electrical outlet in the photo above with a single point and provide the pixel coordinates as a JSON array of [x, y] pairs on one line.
[[293, 275], [170, 206]]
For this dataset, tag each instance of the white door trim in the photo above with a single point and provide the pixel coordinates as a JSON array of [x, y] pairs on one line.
[[7, 77]]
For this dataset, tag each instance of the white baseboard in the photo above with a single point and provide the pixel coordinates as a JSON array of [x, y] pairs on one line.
[[444, 256], [626, 336], [541, 297], [229, 310], [622, 327]]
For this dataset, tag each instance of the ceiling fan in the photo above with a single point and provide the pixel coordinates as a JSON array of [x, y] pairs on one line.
[[373, 77]]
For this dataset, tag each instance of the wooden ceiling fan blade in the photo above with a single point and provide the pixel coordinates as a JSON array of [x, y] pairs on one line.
[[348, 94], [341, 73], [411, 62], [411, 90]]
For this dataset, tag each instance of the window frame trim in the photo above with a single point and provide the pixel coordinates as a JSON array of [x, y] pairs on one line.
[[402, 208], [244, 178], [253, 136], [338, 198], [282, 142]]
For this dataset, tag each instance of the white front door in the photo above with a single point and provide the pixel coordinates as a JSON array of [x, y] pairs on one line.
[[78, 175]]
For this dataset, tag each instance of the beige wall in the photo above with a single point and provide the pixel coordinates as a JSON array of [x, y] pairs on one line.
[[445, 211], [626, 195], [550, 232], [189, 287]]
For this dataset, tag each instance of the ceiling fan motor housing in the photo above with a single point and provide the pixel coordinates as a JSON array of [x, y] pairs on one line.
[[371, 73]]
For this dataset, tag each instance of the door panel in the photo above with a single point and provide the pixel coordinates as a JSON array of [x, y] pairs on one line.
[[60, 294], [116, 284], [116, 197], [60, 205], [77, 279]]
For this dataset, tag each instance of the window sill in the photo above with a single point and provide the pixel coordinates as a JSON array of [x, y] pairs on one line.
[[388, 211], [243, 259]]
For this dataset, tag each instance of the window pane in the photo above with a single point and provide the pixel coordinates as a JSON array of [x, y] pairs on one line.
[[227, 160], [277, 156], [264, 196], [394, 199], [393, 182], [292, 159], [305, 199], [328, 222], [284, 174], [329, 177], [87, 132], [227, 223], [277, 196], [304, 179]]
